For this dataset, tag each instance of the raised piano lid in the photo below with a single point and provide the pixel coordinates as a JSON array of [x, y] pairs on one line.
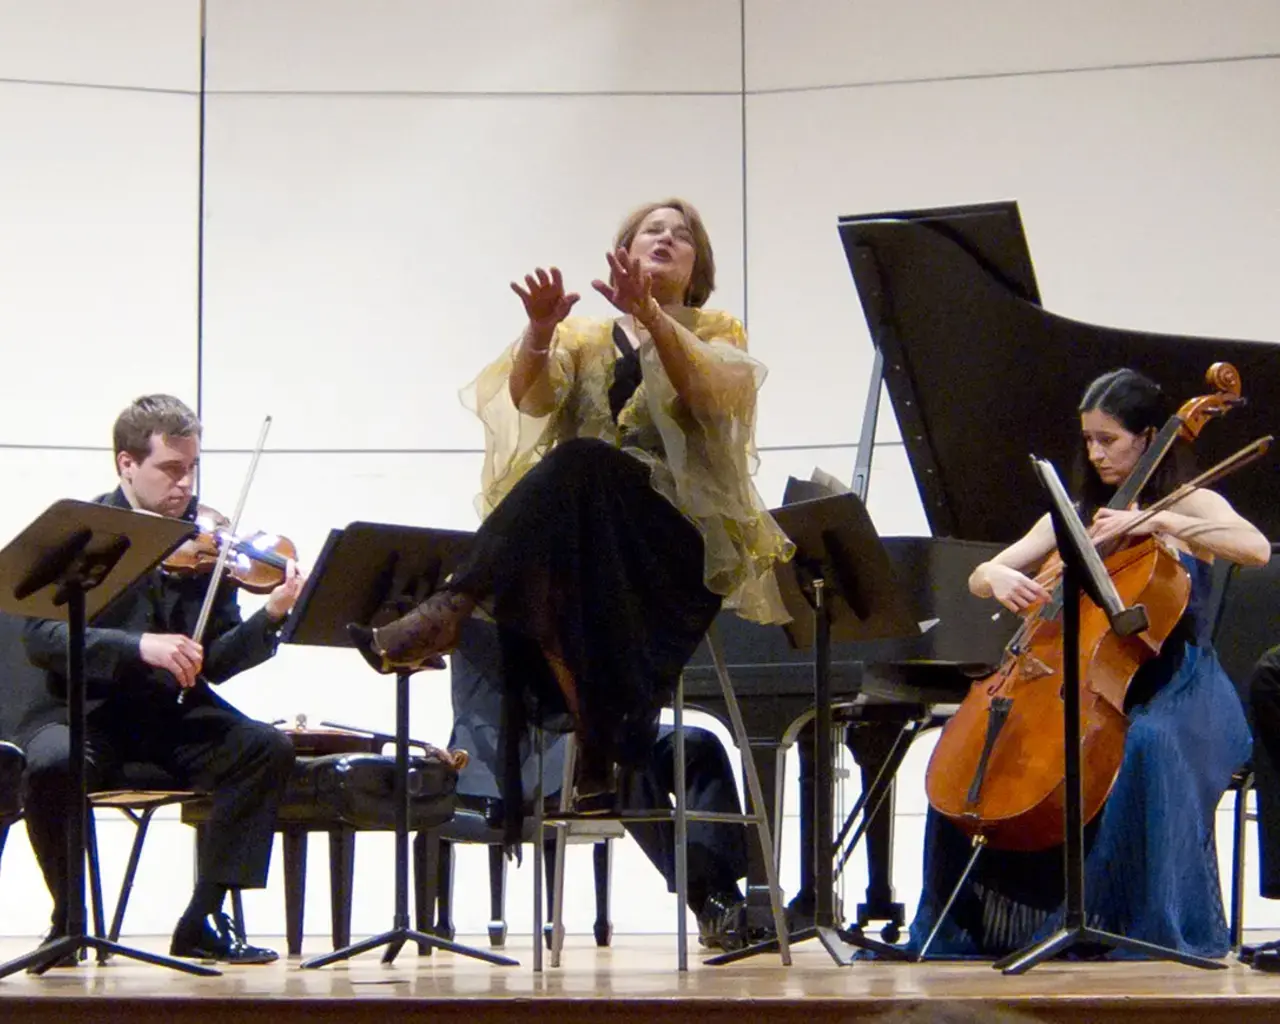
[[981, 376]]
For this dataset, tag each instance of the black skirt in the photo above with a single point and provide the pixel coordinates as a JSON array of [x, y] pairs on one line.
[[583, 558]]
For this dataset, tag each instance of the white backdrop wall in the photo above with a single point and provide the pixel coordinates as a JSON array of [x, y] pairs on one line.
[[377, 170]]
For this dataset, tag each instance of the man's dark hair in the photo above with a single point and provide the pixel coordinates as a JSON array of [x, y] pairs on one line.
[[149, 415]]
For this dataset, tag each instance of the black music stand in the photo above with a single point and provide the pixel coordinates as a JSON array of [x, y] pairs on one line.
[[371, 573], [69, 564], [840, 586], [1082, 571]]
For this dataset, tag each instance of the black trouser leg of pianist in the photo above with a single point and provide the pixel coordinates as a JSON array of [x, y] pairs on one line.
[[203, 743], [1264, 714], [717, 853]]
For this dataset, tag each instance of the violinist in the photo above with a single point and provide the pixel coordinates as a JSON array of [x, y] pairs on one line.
[[139, 657], [1151, 868]]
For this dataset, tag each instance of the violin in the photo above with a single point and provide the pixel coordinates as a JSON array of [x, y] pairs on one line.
[[256, 562], [217, 540], [998, 771]]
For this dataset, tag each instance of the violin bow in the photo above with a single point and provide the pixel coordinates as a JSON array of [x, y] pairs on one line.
[[224, 549]]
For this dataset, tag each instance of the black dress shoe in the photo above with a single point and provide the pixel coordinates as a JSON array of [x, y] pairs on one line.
[[721, 922], [215, 939], [1248, 954], [66, 960], [1266, 960]]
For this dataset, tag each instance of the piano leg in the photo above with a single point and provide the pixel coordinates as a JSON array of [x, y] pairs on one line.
[[878, 738], [801, 907], [878, 745]]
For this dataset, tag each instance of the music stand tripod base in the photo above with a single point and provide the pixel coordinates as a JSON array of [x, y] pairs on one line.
[[1066, 937], [401, 932], [367, 570], [71, 562]]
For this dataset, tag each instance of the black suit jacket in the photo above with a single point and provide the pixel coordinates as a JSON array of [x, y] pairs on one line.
[[157, 603]]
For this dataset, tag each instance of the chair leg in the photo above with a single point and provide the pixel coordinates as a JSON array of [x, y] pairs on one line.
[[1238, 861], [141, 823], [426, 884], [497, 896], [539, 833], [95, 878], [549, 874], [681, 838], [602, 856], [295, 886], [342, 879], [555, 866], [768, 837]]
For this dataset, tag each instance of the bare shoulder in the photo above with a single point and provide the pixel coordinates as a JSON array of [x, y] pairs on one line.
[[1204, 504]]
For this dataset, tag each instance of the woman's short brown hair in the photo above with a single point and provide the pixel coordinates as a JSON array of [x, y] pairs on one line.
[[702, 282]]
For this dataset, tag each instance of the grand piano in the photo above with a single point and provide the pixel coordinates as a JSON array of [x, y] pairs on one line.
[[980, 376]]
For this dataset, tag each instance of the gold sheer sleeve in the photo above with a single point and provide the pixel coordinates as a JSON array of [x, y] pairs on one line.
[[516, 438], [709, 462]]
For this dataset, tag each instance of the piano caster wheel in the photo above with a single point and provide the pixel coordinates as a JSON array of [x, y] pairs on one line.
[[498, 935], [891, 933]]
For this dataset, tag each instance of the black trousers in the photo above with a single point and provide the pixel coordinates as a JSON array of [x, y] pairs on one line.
[[717, 852], [203, 743], [1264, 712]]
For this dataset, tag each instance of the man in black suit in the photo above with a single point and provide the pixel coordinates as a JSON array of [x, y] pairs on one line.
[[139, 657]]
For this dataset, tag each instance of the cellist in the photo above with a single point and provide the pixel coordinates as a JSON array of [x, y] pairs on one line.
[[1151, 865]]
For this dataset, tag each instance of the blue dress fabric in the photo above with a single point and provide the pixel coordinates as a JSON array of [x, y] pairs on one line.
[[1151, 865]]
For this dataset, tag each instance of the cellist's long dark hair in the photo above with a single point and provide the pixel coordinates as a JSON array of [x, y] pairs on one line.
[[1139, 405]]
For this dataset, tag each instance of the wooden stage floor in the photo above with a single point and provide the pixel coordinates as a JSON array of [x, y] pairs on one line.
[[635, 980]]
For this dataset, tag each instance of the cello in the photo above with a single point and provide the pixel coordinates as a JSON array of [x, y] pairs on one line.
[[998, 770]]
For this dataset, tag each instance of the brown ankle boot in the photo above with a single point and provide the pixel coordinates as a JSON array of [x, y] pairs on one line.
[[428, 631]]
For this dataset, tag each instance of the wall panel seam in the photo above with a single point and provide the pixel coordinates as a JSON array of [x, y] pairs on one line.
[[1026, 73], [53, 83]]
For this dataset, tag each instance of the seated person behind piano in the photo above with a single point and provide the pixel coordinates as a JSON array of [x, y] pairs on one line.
[[620, 512], [138, 659], [717, 853], [1151, 870]]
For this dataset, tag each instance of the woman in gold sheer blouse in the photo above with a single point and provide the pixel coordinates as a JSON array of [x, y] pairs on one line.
[[619, 512]]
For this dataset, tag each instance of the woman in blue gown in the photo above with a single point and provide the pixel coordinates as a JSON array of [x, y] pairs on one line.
[[1151, 869]]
